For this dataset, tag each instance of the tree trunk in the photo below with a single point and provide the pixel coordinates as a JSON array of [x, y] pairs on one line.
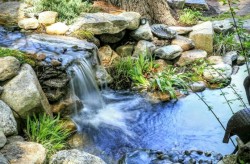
[[157, 11]]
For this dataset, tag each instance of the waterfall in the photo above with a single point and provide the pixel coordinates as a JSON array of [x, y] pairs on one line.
[[95, 111]]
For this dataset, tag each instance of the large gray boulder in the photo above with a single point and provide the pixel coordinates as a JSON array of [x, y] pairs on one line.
[[202, 35], [142, 33], [145, 48], [100, 23], [74, 156], [24, 152], [9, 67], [168, 52], [219, 73], [7, 121], [188, 57], [24, 94]]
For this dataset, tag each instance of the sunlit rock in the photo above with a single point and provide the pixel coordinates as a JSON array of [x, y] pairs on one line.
[[188, 57], [107, 56], [58, 28], [47, 17], [28, 23], [9, 67]]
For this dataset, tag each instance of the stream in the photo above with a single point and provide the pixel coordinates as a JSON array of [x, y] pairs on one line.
[[118, 122]]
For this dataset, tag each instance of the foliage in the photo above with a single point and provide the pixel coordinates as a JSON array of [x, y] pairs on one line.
[[83, 34], [189, 16], [225, 15], [170, 80], [67, 9], [224, 43], [22, 57], [47, 131], [195, 71]]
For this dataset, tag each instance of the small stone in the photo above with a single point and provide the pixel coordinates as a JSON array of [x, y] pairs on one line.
[[162, 31], [69, 125], [230, 57], [198, 86], [9, 67], [185, 43], [40, 56], [168, 52], [47, 17], [58, 28], [241, 60], [142, 33], [144, 48], [107, 56], [55, 63], [125, 50], [3, 139], [78, 140], [28, 24], [181, 30], [161, 42], [188, 57]]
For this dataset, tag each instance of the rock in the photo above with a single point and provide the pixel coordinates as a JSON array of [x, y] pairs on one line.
[[28, 23], [54, 95], [215, 59], [24, 152], [112, 38], [244, 153], [161, 65], [197, 4], [78, 141], [3, 160], [47, 17], [188, 57], [246, 25], [161, 42], [198, 86], [24, 94], [158, 96], [168, 52], [107, 56], [1, 90], [223, 26], [240, 61], [228, 159], [69, 125], [9, 67], [162, 31], [133, 18], [14, 139], [144, 48], [56, 82], [178, 4], [74, 156], [202, 35], [230, 57], [181, 30], [7, 121], [58, 28], [142, 33], [3, 139], [219, 73], [68, 106], [100, 23], [125, 50], [185, 43], [9, 13], [102, 76]]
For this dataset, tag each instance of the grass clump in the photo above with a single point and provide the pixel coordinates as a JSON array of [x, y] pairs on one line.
[[47, 131], [22, 57], [189, 16], [224, 43], [83, 34], [67, 9]]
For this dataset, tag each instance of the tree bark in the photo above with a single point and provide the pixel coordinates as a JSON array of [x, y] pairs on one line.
[[157, 11]]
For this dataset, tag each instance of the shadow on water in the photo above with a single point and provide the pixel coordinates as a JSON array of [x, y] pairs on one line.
[[183, 125]]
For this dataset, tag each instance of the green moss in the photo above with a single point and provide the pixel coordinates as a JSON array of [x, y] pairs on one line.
[[22, 57]]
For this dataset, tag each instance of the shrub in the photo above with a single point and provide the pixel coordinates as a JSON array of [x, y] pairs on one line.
[[47, 131], [170, 80], [22, 57], [189, 16]]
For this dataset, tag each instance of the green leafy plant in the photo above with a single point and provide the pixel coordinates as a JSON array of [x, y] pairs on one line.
[[189, 16], [195, 71], [67, 9], [47, 131], [224, 43], [170, 80], [22, 57]]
